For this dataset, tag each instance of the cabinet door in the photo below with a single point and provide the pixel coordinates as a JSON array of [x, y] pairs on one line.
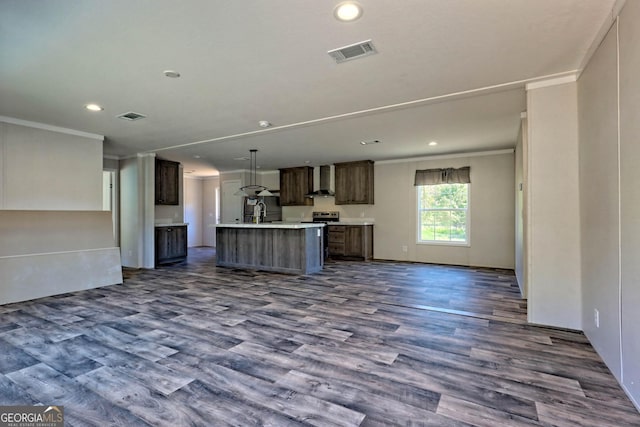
[[170, 243], [336, 241], [177, 242], [286, 187], [354, 183], [162, 244], [362, 184], [167, 182], [342, 185], [295, 184], [353, 238]]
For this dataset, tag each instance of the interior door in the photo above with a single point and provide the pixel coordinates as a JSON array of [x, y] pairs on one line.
[[231, 204]]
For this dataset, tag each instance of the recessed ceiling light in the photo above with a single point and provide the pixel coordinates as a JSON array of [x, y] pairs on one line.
[[264, 123], [347, 11], [196, 156], [433, 143], [93, 107], [172, 74], [375, 141]]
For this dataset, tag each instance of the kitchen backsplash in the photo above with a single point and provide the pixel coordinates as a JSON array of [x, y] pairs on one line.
[[347, 212]]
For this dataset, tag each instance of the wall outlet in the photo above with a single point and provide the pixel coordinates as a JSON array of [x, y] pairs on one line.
[[405, 248], [362, 214], [596, 317]]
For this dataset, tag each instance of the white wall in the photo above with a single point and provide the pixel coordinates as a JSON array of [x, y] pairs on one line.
[[137, 211], [210, 209], [599, 208], [553, 226], [49, 252], [395, 211], [609, 106], [629, 101], [130, 237], [55, 237], [270, 179], [47, 168], [193, 202], [520, 253]]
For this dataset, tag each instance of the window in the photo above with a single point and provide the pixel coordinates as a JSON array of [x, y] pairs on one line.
[[443, 213]]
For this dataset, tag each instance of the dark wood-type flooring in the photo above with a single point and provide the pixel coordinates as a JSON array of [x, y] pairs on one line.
[[359, 344]]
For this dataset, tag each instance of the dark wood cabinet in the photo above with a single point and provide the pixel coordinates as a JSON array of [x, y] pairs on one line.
[[287, 250], [167, 182], [295, 184], [354, 183], [351, 241], [171, 244], [336, 240]]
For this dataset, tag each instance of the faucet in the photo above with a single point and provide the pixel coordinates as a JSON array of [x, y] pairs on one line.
[[259, 210]]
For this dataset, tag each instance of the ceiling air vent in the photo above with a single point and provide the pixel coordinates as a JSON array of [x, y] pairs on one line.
[[131, 116], [353, 51]]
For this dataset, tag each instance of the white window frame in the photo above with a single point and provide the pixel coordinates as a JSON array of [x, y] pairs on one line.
[[418, 211]]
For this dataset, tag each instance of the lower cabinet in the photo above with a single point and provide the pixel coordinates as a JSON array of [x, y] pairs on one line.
[[284, 249], [171, 244], [351, 242]]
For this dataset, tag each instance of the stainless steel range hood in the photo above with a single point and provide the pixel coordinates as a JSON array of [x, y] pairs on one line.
[[325, 184]]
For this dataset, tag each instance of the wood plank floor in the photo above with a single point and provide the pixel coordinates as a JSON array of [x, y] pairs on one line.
[[359, 344]]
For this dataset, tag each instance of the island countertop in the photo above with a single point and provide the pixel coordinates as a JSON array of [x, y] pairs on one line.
[[286, 248], [293, 225]]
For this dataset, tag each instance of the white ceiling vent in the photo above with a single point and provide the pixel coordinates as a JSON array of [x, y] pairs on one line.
[[353, 51], [131, 116]]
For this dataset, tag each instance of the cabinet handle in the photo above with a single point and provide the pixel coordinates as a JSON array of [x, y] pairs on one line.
[[169, 230]]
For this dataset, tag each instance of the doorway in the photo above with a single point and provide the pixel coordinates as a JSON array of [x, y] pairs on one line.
[[231, 204], [110, 200]]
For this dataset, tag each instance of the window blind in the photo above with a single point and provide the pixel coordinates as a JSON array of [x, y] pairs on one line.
[[443, 176]]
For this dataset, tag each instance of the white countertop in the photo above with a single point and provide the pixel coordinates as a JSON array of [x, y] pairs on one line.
[[345, 221], [171, 224], [351, 223], [271, 225]]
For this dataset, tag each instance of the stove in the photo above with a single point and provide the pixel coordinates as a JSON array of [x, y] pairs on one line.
[[331, 216], [327, 218]]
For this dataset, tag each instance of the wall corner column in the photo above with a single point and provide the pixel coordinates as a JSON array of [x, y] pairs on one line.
[[553, 205]]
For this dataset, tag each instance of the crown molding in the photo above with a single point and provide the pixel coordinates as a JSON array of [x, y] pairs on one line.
[[448, 156], [569, 78], [249, 171], [51, 128]]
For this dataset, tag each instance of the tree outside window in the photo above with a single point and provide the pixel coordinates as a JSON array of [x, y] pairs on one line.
[[443, 213]]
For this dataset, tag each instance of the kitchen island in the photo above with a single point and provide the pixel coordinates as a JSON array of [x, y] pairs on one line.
[[284, 247]]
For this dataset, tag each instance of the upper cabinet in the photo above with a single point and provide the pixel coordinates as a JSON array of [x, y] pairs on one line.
[[295, 184], [354, 183], [167, 182]]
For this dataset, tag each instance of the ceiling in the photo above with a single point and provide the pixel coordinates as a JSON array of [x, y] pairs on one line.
[[451, 71]]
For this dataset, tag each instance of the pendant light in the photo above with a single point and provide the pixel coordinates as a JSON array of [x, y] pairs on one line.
[[261, 189]]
